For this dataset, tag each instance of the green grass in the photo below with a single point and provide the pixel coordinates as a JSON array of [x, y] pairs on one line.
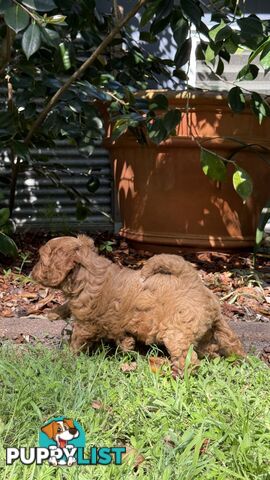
[[215, 425]]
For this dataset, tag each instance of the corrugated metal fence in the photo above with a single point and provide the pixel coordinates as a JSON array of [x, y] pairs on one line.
[[42, 204]]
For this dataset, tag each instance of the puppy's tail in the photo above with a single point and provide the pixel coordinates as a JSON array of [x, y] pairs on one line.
[[164, 264], [227, 340]]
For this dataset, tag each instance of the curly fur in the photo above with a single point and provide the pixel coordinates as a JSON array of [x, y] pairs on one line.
[[164, 303]]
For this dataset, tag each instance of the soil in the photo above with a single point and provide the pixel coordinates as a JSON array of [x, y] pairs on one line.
[[243, 290]]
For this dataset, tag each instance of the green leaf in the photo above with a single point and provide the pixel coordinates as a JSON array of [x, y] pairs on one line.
[[4, 216], [163, 9], [251, 31], [181, 74], [171, 120], [148, 13], [180, 31], [147, 37], [31, 40], [220, 32], [65, 56], [82, 211], [40, 5], [49, 37], [210, 54], [4, 5], [16, 18], [157, 131], [242, 183], [236, 99], [87, 149], [119, 128], [264, 217], [259, 106], [231, 45], [220, 67], [93, 91], [223, 34], [157, 27], [182, 55], [158, 102], [213, 165], [7, 246], [215, 29], [192, 11], [56, 20], [9, 227], [258, 50], [248, 72], [265, 57], [93, 183], [20, 149]]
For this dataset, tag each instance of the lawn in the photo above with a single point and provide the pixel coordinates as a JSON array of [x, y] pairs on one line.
[[214, 425]]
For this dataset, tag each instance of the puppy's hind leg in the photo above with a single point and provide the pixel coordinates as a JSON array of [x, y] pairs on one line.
[[227, 340], [178, 346]]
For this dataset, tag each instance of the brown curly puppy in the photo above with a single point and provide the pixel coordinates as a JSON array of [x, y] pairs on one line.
[[164, 303]]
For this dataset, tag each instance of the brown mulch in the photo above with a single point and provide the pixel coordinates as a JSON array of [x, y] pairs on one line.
[[243, 290]]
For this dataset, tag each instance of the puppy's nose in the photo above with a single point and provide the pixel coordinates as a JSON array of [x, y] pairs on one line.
[[73, 431]]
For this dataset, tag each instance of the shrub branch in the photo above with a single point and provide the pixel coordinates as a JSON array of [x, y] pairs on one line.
[[53, 101]]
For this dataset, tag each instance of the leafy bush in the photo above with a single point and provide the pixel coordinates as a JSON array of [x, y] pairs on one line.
[[61, 61], [7, 245]]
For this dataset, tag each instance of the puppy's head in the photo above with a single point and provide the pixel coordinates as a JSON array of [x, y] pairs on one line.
[[59, 257], [61, 431]]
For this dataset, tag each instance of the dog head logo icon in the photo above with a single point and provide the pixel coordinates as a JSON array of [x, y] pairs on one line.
[[62, 436]]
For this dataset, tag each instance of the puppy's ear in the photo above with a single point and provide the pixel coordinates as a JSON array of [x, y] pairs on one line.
[[49, 429], [86, 242], [69, 422], [62, 262], [55, 263]]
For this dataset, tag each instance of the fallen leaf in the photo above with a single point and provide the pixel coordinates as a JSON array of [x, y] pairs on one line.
[[7, 312], [28, 295], [132, 452], [228, 308], [97, 404], [40, 305], [168, 441], [128, 367], [43, 293], [22, 338], [156, 363], [204, 446]]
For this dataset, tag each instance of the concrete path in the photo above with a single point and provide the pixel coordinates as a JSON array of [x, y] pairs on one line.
[[254, 335]]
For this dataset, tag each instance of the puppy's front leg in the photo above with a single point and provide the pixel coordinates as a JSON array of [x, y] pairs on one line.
[[61, 312], [83, 336], [127, 343], [178, 346]]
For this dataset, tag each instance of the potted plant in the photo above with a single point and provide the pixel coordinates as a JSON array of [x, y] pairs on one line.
[[205, 185], [65, 75]]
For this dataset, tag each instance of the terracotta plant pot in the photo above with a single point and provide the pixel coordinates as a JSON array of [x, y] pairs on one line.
[[164, 197]]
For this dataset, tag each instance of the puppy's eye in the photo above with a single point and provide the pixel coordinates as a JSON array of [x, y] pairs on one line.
[[59, 430]]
